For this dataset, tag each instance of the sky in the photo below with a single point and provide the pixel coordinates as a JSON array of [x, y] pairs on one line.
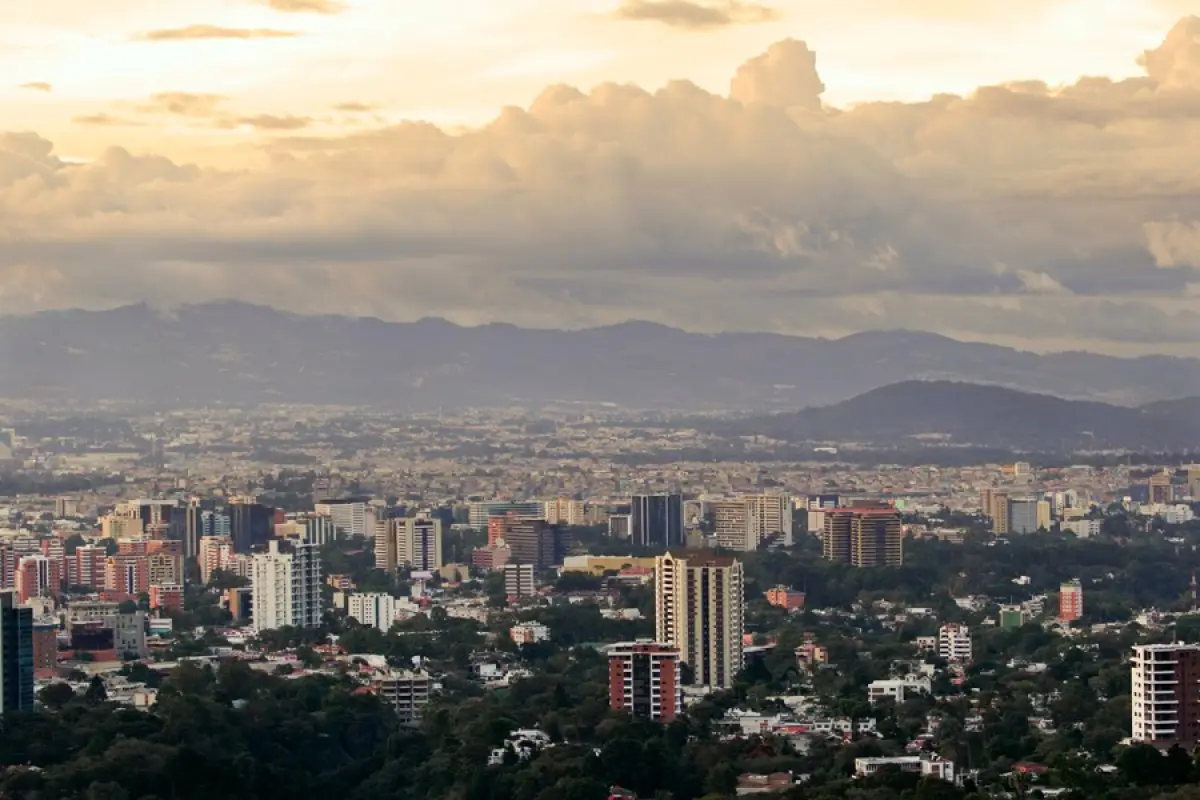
[[1025, 173]]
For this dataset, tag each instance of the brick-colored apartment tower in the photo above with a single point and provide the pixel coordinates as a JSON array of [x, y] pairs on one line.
[[643, 679]]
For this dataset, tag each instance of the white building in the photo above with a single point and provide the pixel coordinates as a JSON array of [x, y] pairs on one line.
[[745, 522], [1083, 528], [954, 643], [699, 610], [373, 609], [529, 633], [349, 519], [898, 689], [1165, 693], [287, 587], [926, 765]]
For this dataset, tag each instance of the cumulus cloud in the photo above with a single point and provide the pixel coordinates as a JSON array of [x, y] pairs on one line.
[[303, 6], [695, 16], [1022, 213], [785, 75], [38, 86], [193, 32]]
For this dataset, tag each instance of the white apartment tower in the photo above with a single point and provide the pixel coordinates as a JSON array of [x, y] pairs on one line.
[[1166, 694], [699, 610], [745, 522], [287, 588], [373, 609], [954, 643]]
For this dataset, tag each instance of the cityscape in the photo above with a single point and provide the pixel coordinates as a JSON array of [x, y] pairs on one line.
[[599, 400]]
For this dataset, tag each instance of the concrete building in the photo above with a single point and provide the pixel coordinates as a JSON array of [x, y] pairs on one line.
[[529, 633], [745, 523], [518, 580], [994, 505], [16, 655], [37, 576], [406, 691], [1159, 490], [420, 543], [699, 610], [898, 689], [785, 598], [1083, 528], [287, 588], [863, 536], [563, 511], [644, 680], [954, 643], [350, 517], [478, 513], [1166, 694], [1070, 601], [372, 609], [1023, 515], [166, 597]]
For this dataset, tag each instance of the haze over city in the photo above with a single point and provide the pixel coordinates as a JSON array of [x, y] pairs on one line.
[[1018, 173]]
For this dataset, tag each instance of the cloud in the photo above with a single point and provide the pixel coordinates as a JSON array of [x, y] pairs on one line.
[[301, 6], [105, 119], [355, 108], [785, 75], [199, 32], [183, 103], [1021, 213], [694, 16], [38, 86], [267, 122]]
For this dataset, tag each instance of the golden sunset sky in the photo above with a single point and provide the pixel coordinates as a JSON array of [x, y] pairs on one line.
[[1024, 172]]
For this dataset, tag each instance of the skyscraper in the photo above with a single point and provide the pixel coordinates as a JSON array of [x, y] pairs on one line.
[[994, 504], [250, 523], [643, 679], [16, 655], [420, 544], [657, 520], [1159, 489], [193, 528], [287, 587], [699, 610]]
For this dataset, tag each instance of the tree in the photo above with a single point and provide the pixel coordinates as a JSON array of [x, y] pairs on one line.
[[96, 693], [56, 695]]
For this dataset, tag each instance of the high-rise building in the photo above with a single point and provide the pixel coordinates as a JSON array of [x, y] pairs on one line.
[[37, 576], [16, 655], [532, 541], [127, 573], [373, 609], [250, 523], [164, 568], [1023, 515], [1166, 694], [769, 515], [479, 513], [349, 516], [420, 543], [657, 520], [287, 587], [563, 511], [730, 524], [215, 552], [518, 580], [954, 643], [643, 679], [193, 528], [86, 567], [863, 536], [1044, 515], [1159, 489], [994, 504], [699, 610], [166, 597], [1070, 601]]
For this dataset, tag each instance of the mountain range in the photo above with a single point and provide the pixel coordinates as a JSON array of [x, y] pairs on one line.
[[913, 413], [236, 353]]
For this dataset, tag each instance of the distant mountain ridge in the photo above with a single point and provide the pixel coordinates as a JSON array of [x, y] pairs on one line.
[[236, 353], [948, 413]]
